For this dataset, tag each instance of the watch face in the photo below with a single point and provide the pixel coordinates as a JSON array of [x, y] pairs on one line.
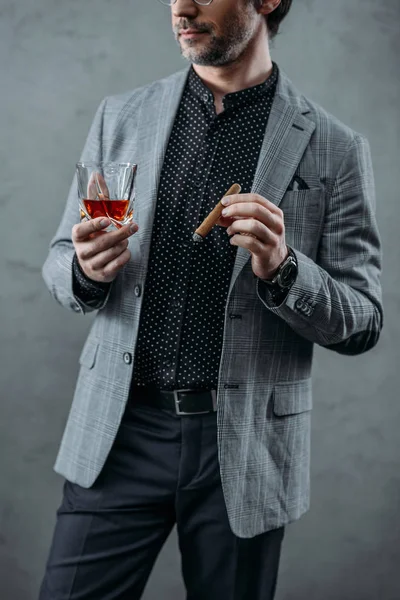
[[287, 275]]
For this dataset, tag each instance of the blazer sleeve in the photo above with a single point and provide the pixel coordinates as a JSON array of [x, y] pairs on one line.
[[336, 301], [57, 270]]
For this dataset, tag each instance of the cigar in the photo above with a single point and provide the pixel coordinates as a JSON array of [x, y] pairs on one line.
[[214, 215]]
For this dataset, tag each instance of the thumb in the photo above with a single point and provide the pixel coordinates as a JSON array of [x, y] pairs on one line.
[[82, 231]]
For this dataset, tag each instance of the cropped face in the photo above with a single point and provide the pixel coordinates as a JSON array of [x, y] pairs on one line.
[[216, 34]]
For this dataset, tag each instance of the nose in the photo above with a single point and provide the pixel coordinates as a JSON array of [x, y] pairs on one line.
[[185, 8]]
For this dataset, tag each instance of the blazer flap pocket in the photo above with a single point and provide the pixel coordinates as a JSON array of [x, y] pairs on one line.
[[89, 353], [293, 397]]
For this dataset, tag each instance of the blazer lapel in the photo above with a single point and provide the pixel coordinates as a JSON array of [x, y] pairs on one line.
[[287, 135], [156, 122], [286, 138]]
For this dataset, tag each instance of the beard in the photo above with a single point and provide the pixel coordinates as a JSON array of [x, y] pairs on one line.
[[220, 50]]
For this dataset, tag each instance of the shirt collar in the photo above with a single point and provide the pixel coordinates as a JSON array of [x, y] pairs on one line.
[[247, 96]]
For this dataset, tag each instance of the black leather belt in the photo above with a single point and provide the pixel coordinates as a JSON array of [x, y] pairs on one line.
[[182, 402]]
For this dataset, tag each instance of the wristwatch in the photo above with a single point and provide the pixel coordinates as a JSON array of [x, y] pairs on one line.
[[284, 277]]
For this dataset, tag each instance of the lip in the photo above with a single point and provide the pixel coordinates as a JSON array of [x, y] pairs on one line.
[[191, 33]]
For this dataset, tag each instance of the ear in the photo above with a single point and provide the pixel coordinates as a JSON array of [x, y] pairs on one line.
[[268, 6]]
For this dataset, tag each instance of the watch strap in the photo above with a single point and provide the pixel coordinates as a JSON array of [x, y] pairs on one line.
[[276, 291]]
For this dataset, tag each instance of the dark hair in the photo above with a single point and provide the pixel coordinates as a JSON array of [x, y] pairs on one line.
[[275, 18]]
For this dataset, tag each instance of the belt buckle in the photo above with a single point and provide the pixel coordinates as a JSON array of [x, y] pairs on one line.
[[201, 412]]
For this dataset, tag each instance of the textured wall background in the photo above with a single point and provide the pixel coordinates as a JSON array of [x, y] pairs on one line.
[[57, 60]]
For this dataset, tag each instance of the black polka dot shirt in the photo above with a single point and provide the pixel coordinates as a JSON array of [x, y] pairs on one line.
[[182, 320]]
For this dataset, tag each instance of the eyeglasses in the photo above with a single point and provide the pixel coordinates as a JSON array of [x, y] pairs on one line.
[[171, 2]]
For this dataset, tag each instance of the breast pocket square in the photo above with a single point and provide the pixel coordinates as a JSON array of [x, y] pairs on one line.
[[297, 184]]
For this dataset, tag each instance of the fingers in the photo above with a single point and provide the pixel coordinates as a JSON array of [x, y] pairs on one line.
[[100, 260], [100, 254], [255, 198], [92, 188], [97, 186], [254, 205], [254, 228], [82, 231], [225, 222], [101, 185], [100, 243], [108, 271], [106, 265], [256, 211]]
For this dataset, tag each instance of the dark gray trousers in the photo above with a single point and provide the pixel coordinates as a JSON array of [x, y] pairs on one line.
[[162, 470]]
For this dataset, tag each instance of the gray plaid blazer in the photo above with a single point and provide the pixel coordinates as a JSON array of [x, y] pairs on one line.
[[264, 392]]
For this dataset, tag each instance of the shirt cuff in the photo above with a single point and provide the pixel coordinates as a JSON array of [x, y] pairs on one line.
[[90, 292], [274, 301]]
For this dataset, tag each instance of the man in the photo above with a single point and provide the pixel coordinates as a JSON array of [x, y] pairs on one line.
[[193, 401]]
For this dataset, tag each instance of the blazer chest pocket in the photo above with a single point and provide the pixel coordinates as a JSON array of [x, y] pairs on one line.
[[303, 213], [89, 353], [291, 398]]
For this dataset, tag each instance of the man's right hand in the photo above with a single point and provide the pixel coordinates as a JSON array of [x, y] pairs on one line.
[[102, 254]]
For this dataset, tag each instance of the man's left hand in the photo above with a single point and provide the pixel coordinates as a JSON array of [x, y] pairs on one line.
[[253, 214]]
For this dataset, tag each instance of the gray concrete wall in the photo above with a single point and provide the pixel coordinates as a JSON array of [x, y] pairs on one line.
[[57, 61]]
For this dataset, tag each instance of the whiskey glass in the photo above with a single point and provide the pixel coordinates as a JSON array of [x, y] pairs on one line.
[[106, 189]]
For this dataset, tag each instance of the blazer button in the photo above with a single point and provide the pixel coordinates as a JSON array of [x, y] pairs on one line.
[[127, 358], [299, 305], [138, 290]]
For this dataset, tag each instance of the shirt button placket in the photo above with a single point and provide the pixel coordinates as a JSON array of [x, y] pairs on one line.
[[202, 156]]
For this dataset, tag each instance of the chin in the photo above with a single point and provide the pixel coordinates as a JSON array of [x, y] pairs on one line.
[[194, 57], [202, 59], [206, 61]]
